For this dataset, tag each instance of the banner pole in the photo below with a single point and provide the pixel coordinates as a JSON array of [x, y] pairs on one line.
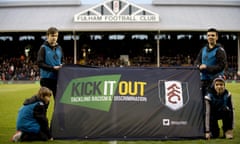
[[158, 49], [75, 47]]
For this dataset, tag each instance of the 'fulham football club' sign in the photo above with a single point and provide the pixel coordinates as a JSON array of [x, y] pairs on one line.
[[116, 11]]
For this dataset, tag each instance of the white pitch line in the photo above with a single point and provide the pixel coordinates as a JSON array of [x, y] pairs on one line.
[[112, 142]]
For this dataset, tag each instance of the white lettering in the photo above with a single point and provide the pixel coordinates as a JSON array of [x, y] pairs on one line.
[[178, 122], [80, 99], [116, 18], [101, 98], [108, 85]]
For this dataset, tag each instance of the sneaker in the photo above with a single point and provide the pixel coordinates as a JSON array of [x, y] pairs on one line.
[[229, 134], [16, 137]]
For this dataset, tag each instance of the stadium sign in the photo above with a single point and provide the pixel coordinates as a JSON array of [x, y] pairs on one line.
[[116, 11]]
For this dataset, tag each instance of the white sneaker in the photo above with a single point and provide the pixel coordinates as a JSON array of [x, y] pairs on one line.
[[229, 134], [16, 137]]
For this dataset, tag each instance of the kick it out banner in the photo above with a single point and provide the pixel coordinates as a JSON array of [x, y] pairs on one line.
[[128, 103]]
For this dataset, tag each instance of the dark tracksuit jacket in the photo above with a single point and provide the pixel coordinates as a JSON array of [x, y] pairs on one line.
[[215, 59], [48, 57]]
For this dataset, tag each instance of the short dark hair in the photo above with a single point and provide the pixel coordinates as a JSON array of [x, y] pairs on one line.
[[52, 30], [212, 30]]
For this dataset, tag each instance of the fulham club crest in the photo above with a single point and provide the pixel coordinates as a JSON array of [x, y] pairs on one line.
[[173, 94], [116, 6]]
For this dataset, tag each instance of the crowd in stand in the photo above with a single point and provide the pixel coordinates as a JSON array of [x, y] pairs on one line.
[[18, 69], [24, 69]]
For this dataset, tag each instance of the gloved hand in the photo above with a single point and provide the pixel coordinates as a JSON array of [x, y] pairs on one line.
[[226, 108]]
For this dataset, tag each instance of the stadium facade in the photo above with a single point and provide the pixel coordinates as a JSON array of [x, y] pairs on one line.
[[121, 28]]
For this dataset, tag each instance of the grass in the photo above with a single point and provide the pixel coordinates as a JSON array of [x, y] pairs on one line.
[[12, 96]]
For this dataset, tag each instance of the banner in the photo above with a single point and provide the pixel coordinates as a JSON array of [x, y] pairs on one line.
[[128, 104]]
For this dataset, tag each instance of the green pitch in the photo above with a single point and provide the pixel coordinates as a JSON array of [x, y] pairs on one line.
[[13, 95]]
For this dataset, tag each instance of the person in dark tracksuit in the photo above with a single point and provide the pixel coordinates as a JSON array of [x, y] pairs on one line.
[[50, 60], [219, 106], [211, 60], [32, 122]]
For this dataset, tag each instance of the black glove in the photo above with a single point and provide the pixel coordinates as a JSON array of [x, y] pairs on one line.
[[225, 108]]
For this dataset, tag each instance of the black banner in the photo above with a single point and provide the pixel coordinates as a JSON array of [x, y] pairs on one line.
[[128, 103]]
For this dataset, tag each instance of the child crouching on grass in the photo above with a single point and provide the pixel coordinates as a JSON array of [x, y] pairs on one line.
[[219, 107], [32, 122]]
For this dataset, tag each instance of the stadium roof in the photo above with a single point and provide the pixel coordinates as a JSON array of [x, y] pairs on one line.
[[174, 15]]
